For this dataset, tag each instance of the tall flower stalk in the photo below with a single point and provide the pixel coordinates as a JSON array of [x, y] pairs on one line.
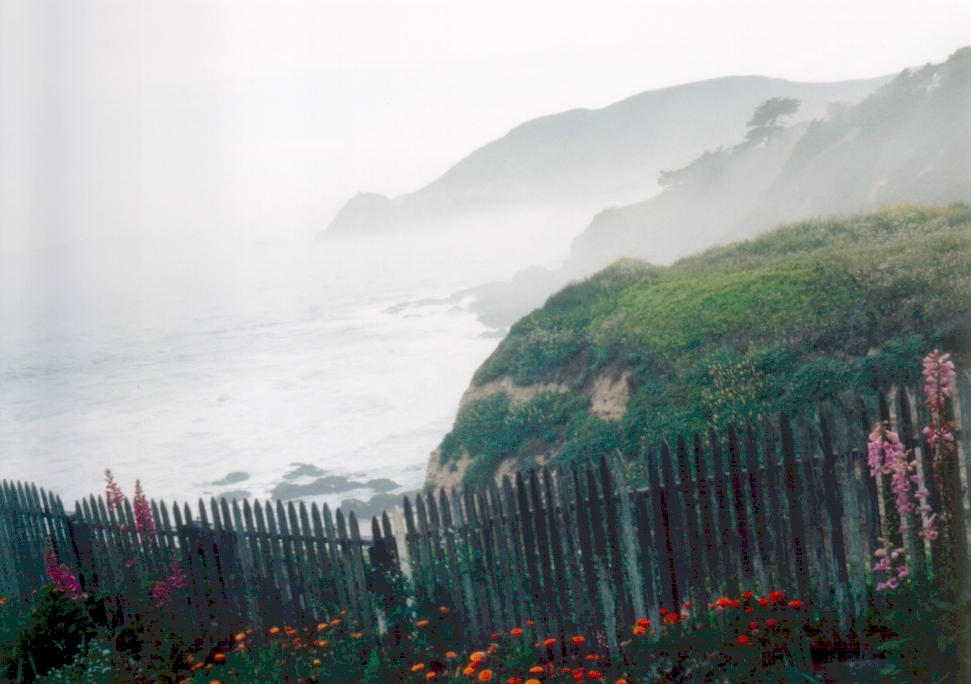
[[938, 373], [113, 494], [144, 521]]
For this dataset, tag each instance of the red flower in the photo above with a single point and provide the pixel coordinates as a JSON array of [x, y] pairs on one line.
[[578, 640], [687, 604], [770, 622], [796, 603], [747, 595], [664, 611], [743, 639], [763, 601]]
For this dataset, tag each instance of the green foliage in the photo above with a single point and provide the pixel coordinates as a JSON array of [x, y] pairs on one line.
[[96, 663], [49, 638], [917, 624], [799, 314], [493, 428]]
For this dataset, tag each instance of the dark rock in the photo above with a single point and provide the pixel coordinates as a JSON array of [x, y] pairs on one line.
[[303, 469], [365, 510], [382, 484], [332, 484], [233, 478], [239, 494]]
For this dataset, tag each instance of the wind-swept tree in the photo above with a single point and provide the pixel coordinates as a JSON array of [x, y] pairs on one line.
[[767, 120]]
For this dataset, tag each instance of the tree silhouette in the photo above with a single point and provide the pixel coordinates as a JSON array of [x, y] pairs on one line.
[[767, 119]]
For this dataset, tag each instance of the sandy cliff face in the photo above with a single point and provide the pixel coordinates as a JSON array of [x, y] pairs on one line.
[[608, 392]]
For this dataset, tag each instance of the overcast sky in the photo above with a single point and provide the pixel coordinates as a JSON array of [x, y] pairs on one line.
[[259, 119]]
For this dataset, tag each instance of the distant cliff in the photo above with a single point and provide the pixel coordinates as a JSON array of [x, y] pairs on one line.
[[575, 163]]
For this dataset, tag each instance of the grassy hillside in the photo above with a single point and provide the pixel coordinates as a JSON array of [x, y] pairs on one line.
[[728, 335]]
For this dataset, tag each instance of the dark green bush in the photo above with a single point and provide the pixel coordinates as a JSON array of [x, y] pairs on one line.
[[53, 633]]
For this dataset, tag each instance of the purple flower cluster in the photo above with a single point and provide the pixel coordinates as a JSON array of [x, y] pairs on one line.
[[938, 373], [144, 521], [886, 455], [61, 576], [113, 493], [162, 589]]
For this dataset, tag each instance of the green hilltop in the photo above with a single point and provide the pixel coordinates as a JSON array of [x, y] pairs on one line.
[[726, 336]]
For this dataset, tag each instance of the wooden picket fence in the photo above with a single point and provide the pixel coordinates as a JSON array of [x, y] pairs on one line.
[[786, 505]]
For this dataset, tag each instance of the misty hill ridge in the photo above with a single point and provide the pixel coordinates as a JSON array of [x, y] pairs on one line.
[[910, 141], [584, 160]]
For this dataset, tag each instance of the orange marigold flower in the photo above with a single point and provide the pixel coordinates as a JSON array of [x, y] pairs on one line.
[[796, 603], [549, 642], [4, 601], [514, 680], [357, 635], [422, 623], [643, 622], [417, 666], [289, 630], [241, 636], [451, 654], [443, 609], [219, 657], [485, 675], [315, 661], [531, 681], [344, 612], [621, 681], [492, 649], [638, 630], [722, 602], [469, 671], [322, 626], [431, 675], [578, 639], [335, 622], [477, 656], [536, 669], [594, 674], [530, 623], [515, 631], [274, 630]]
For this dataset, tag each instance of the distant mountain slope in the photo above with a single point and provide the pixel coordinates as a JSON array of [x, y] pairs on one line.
[[573, 164], [910, 141]]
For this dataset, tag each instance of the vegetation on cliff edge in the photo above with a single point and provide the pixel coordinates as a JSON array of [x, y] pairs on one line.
[[727, 336]]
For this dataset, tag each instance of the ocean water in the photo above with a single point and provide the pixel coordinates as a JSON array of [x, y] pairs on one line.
[[177, 361]]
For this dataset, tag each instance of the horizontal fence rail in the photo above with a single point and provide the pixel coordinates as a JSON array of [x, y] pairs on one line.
[[785, 505]]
